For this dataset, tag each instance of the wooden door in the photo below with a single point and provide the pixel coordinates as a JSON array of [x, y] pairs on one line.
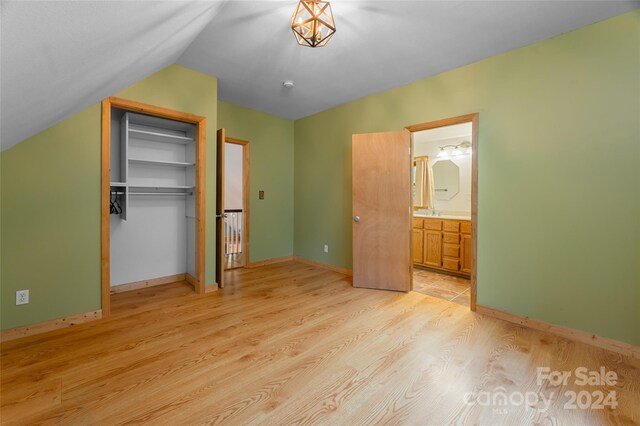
[[220, 208], [433, 248], [381, 183], [465, 253], [417, 241]]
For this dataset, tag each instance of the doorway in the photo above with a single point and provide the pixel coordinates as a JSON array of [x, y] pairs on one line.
[[144, 123], [444, 223], [234, 204]]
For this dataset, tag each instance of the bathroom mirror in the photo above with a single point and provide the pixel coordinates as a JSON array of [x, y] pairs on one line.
[[446, 179]]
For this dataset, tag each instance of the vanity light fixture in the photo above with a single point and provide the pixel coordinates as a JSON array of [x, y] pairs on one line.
[[312, 23], [455, 150]]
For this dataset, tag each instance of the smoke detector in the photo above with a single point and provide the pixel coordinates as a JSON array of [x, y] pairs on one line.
[[288, 84]]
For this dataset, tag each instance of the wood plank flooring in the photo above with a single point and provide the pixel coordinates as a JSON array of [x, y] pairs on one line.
[[292, 343]]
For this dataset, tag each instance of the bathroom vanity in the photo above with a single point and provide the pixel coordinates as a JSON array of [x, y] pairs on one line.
[[442, 244]]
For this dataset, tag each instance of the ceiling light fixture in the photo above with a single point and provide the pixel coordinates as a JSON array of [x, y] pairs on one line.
[[312, 23]]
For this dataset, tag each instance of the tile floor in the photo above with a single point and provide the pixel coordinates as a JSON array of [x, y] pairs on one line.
[[443, 286]]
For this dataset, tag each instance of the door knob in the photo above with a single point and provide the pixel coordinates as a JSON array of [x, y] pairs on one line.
[[356, 218]]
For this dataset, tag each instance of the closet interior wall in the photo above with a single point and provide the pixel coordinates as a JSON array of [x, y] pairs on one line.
[[153, 233]]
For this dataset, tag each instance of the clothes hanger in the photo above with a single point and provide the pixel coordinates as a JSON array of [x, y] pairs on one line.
[[118, 208], [112, 209]]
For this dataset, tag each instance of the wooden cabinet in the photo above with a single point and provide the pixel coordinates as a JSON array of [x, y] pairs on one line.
[[451, 250], [432, 248], [451, 264], [418, 248], [442, 244], [452, 226]]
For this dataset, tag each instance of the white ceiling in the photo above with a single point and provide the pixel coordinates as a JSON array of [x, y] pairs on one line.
[[60, 57], [378, 45]]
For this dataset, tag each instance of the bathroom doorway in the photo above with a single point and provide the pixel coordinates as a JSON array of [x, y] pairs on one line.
[[444, 192]]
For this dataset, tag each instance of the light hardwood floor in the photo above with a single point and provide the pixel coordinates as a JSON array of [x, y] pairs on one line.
[[292, 343]]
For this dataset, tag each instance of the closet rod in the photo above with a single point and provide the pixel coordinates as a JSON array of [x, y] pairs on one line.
[[161, 193]]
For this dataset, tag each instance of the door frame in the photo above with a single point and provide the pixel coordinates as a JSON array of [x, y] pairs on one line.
[[220, 142], [474, 120], [105, 246], [246, 164]]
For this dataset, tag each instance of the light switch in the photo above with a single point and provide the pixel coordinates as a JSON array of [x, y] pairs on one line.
[[261, 195]]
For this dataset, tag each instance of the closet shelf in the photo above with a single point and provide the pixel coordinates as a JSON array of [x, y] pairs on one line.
[[159, 137], [159, 163], [160, 190], [118, 184]]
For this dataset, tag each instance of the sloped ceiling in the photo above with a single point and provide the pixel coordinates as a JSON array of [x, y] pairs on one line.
[[58, 57], [378, 45]]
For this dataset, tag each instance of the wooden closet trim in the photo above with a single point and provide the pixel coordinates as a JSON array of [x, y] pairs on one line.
[[473, 119], [246, 169], [201, 132]]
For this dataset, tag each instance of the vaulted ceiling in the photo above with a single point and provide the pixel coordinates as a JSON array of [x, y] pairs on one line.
[[60, 57]]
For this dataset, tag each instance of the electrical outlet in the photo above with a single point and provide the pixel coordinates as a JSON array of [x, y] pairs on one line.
[[22, 297], [326, 248]]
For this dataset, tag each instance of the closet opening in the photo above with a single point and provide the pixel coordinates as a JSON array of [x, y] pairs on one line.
[[444, 188], [153, 163], [236, 203]]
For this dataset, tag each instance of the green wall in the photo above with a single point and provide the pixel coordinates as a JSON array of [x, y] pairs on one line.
[[271, 156], [50, 220], [559, 155], [50, 202]]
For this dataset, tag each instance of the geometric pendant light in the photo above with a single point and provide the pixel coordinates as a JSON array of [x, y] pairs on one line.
[[312, 23]]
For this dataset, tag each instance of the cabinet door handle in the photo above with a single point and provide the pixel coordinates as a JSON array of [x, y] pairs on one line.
[[356, 218]]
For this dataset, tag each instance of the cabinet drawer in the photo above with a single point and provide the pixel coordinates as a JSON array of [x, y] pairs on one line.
[[450, 237], [450, 264], [451, 250], [434, 225], [465, 227], [452, 226], [417, 223]]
